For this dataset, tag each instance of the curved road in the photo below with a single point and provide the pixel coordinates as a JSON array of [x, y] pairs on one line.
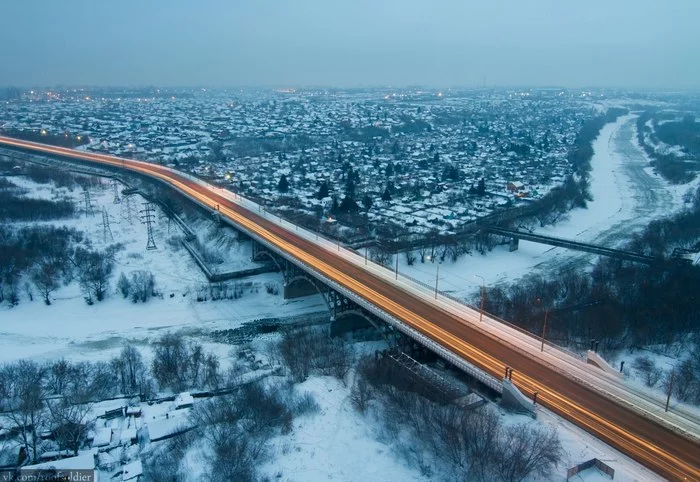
[[661, 449]]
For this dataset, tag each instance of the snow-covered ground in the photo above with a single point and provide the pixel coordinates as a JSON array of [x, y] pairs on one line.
[[70, 328], [341, 444], [337, 444], [627, 195]]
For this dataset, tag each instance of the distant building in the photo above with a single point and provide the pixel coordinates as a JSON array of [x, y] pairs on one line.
[[515, 186]]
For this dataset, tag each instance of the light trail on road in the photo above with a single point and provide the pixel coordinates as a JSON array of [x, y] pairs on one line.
[[663, 450]]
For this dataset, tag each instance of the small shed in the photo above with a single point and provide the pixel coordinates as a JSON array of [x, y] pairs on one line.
[[183, 400], [132, 471]]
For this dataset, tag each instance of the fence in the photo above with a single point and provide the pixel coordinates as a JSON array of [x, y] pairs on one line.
[[602, 466]]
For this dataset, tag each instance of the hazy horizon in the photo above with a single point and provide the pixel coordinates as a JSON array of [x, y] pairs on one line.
[[269, 43]]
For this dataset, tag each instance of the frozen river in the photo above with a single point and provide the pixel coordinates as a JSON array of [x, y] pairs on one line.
[[627, 195]]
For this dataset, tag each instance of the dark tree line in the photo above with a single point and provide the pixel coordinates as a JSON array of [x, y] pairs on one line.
[[235, 430], [57, 396], [15, 208], [675, 169], [50, 257], [620, 303], [474, 444]]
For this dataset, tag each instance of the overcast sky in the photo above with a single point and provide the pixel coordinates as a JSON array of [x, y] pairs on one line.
[[572, 43]]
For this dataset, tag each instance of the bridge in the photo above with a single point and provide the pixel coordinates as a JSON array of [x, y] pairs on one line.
[[516, 235], [629, 419]]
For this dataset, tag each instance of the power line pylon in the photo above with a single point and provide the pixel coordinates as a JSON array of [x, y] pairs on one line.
[[115, 188], [147, 218], [127, 209], [106, 229], [88, 203]]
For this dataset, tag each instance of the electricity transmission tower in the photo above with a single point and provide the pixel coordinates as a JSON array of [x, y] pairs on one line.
[[106, 229], [148, 217], [88, 203], [115, 188], [127, 209]]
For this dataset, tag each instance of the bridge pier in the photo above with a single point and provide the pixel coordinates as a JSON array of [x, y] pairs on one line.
[[513, 244]]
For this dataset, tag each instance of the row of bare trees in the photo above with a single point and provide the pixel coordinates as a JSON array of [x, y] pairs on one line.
[[468, 444], [311, 350], [57, 397], [51, 257], [235, 431]]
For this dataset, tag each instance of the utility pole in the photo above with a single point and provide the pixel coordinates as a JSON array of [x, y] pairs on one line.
[[397, 267], [147, 218], [544, 329], [483, 297], [670, 386], [437, 277], [106, 229], [88, 202]]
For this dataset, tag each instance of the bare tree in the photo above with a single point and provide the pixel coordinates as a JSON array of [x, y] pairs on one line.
[[130, 370], [58, 376], [46, 277], [142, 286], [527, 449], [94, 270], [211, 375], [21, 386], [70, 421], [361, 394], [646, 368], [410, 257], [170, 362]]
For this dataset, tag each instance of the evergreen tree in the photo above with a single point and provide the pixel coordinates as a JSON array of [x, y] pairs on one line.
[[334, 206], [322, 191], [350, 185], [481, 187], [367, 202], [389, 169], [283, 184], [348, 205]]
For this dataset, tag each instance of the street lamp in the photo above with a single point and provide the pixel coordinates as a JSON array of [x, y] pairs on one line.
[[544, 329], [437, 277], [538, 300], [483, 297]]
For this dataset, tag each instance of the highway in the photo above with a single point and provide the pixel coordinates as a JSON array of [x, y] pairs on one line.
[[623, 420]]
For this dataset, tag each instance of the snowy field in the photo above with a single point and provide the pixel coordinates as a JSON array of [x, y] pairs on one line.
[[70, 328], [336, 444]]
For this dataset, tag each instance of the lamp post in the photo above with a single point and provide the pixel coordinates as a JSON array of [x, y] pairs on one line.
[[483, 297], [544, 329], [670, 387], [437, 277]]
